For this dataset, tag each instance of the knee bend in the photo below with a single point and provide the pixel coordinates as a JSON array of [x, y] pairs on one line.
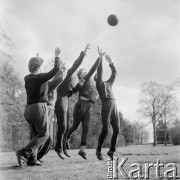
[[44, 134]]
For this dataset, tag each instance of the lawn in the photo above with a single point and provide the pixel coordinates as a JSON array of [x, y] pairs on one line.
[[76, 168]]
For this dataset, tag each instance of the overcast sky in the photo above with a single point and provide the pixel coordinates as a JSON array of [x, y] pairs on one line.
[[144, 45]]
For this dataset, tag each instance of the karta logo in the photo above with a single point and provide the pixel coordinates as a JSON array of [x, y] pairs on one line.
[[116, 170]]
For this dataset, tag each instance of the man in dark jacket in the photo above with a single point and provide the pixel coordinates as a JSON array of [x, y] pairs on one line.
[[109, 112], [52, 97], [64, 91], [82, 107]]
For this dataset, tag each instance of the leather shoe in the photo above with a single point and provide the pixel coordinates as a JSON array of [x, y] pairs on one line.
[[60, 153], [99, 155], [34, 163], [66, 153], [82, 154]]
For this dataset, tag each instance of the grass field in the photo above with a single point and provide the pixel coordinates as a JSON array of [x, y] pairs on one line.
[[76, 168]]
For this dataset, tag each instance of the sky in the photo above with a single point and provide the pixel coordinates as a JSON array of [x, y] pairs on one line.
[[144, 46]]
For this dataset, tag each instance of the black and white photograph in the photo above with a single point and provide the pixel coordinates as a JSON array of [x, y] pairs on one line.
[[89, 89]]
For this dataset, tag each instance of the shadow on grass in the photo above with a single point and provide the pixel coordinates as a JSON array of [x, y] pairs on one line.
[[15, 167], [138, 154]]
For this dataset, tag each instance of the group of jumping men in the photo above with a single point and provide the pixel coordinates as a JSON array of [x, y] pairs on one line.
[[47, 95]]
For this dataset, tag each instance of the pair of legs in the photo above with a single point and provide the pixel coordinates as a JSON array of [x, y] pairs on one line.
[[81, 114], [61, 110], [44, 149], [110, 116], [37, 117]]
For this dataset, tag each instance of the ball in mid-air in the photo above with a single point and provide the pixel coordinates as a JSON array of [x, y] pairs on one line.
[[112, 20]]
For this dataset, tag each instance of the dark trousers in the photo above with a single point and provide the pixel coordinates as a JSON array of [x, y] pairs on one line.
[[61, 110], [81, 114], [44, 149], [110, 116], [37, 117]]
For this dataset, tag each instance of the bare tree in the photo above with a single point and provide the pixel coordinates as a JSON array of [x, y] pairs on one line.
[[169, 108], [152, 103]]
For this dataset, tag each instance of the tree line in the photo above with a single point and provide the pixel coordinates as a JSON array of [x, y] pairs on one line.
[[14, 126], [158, 104]]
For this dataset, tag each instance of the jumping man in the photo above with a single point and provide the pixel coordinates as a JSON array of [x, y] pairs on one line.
[[64, 91], [109, 112], [82, 107]]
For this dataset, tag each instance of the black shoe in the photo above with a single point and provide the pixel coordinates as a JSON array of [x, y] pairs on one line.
[[82, 154], [22, 159], [60, 153], [110, 154], [99, 155], [66, 153], [34, 163]]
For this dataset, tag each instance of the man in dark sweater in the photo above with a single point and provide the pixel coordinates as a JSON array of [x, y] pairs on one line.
[[64, 91], [52, 97], [36, 85], [82, 108], [109, 113]]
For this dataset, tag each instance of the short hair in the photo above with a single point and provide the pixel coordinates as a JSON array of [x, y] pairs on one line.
[[35, 63], [82, 70]]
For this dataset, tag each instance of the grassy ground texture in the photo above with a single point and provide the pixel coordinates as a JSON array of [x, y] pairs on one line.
[[76, 168]]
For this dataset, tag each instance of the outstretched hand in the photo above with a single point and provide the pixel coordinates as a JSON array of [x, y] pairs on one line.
[[108, 59], [63, 67], [57, 51], [86, 48], [101, 54]]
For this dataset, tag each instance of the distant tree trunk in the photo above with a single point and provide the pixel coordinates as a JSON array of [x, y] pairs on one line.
[[165, 132], [154, 133]]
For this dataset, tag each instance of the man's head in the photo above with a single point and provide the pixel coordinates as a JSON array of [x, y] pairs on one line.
[[34, 64], [81, 73]]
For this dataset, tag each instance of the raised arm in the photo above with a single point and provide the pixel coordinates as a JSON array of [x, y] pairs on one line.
[[47, 76], [55, 82], [87, 77], [92, 70], [113, 70], [100, 67], [77, 62], [99, 72]]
